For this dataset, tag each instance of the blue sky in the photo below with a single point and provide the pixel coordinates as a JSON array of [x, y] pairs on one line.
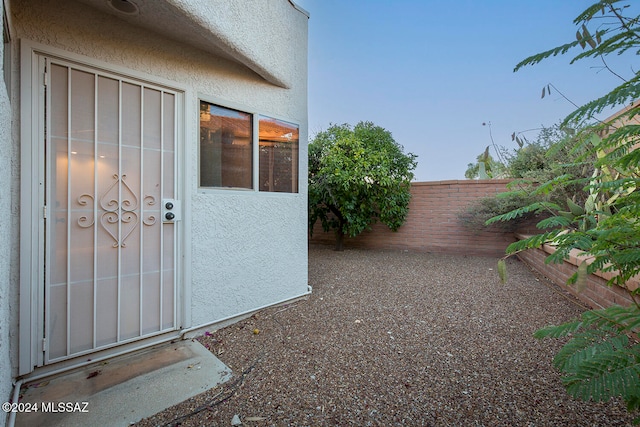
[[433, 71]]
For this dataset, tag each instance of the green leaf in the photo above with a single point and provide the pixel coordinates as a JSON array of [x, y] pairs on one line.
[[559, 331], [502, 270], [587, 37], [554, 221], [567, 215], [534, 59], [574, 208], [581, 277], [580, 40], [535, 241]]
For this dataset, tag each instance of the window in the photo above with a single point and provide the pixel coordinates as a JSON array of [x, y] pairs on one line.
[[227, 150], [225, 147], [278, 159]]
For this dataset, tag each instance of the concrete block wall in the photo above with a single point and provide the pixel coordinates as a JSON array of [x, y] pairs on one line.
[[596, 294], [432, 224]]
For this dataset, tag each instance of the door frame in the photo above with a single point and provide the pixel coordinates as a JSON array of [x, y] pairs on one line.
[[32, 192]]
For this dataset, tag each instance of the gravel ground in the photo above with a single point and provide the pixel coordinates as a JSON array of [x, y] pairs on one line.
[[391, 338]]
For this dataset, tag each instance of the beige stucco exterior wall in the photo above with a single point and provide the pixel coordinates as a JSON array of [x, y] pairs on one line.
[[230, 234], [252, 42]]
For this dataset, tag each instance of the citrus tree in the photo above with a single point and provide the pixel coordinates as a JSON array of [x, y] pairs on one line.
[[601, 358], [358, 176]]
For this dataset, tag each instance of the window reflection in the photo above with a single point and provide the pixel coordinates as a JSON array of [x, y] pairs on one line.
[[225, 147], [278, 157]]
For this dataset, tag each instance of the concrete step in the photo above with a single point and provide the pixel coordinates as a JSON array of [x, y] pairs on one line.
[[123, 390]]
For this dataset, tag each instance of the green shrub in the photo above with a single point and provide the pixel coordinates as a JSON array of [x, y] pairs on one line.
[[601, 358], [476, 215]]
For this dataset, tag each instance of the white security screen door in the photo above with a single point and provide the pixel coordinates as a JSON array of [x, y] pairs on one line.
[[110, 251]]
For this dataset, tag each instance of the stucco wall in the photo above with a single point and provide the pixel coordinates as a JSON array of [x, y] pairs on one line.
[[251, 248], [248, 249], [7, 234], [252, 30]]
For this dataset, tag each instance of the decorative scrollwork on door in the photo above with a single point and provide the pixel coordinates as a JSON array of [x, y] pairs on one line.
[[84, 221], [151, 219], [119, 204]]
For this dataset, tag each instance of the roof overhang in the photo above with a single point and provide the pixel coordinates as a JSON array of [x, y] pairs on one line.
[[250, 33]]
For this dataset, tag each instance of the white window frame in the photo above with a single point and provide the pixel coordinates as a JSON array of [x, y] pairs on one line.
[[256, 114]]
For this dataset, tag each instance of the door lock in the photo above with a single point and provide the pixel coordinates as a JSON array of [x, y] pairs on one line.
[[170, 210]]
